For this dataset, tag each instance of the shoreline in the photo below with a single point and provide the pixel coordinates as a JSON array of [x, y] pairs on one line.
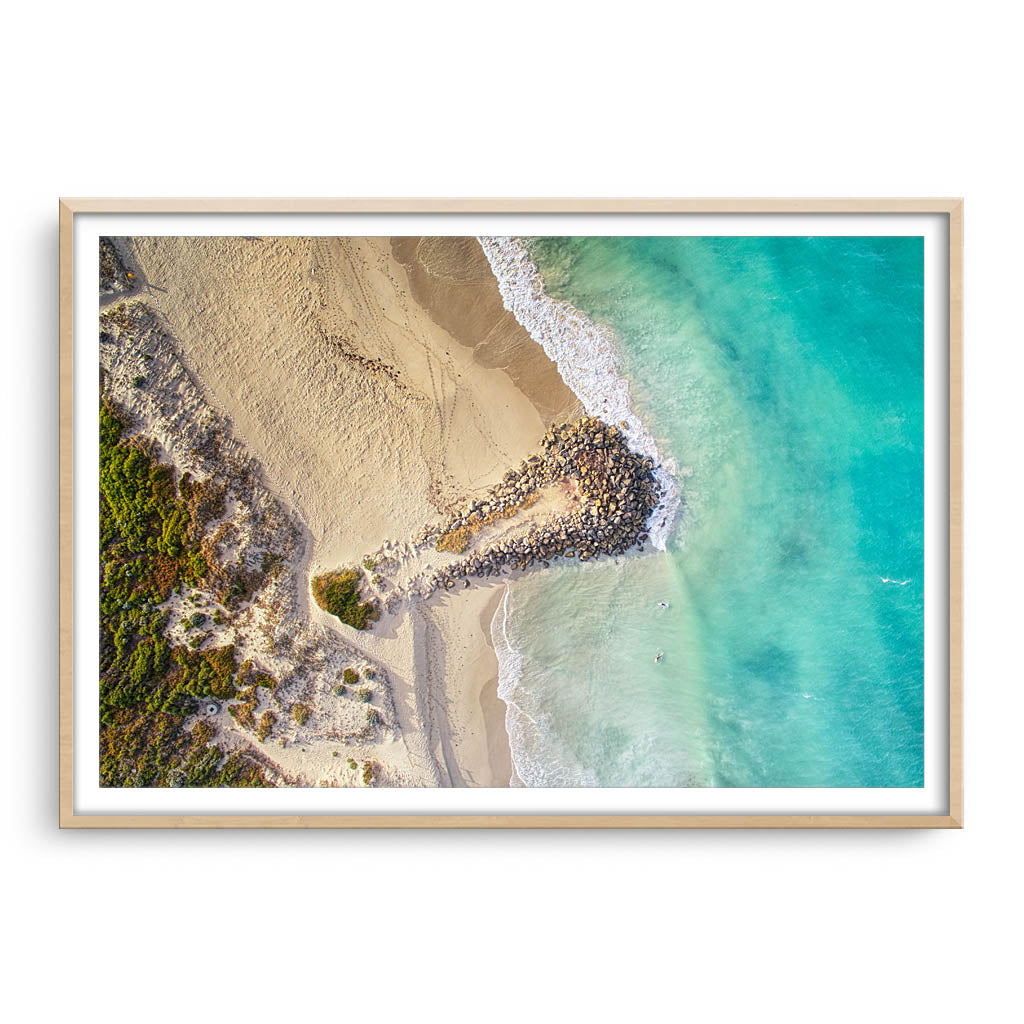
[[495, 710], [452, 279], [587, 357]]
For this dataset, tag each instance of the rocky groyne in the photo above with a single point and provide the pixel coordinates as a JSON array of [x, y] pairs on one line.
[[587, 354], [612, 491]]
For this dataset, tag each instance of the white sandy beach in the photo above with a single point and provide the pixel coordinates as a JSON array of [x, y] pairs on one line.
[[377, 382]]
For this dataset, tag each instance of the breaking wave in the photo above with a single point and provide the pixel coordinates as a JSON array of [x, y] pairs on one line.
[[587, 357]]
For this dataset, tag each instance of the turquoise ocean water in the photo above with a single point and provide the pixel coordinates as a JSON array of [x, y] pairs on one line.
[[784, 378]]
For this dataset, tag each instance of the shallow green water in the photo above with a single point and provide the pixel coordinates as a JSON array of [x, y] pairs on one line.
[[784, 376]]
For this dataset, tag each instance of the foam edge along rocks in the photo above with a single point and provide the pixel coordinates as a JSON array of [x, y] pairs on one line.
[[586, 354]]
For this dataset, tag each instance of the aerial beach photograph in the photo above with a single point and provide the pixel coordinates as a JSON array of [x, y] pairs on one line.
[[573, 511], [524, 493]]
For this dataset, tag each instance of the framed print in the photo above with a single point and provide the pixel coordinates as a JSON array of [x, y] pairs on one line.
[[510, 513]]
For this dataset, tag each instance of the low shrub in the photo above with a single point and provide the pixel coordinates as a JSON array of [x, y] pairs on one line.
[[202, 733], [351, 676], [364, 695], [267, 720], [338, 593], [268, 682], [222, 664], [301, 713], [242, 714], [270, 561], [239, 770]]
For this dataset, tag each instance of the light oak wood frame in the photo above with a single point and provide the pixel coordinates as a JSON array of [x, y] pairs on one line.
[[950, 207]]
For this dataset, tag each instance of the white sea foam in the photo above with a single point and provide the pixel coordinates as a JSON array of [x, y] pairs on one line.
[[510, 671], [529, 771], [587, 357]]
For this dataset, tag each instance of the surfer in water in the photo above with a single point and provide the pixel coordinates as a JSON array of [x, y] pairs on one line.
[[659, 656], [663, 604]]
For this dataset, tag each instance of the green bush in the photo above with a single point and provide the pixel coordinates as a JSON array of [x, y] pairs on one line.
[[267, 720], [338, 593], [301, 713], [268, 682], [242, 714], [239, 770], [351, 676], [364, 694]]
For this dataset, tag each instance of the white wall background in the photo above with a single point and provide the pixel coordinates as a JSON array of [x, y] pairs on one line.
[[513, 99]]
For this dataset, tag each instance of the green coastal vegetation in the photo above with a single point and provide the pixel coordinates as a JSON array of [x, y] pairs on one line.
[[267, 722], [150, 534], [248, 682], [339, 594]]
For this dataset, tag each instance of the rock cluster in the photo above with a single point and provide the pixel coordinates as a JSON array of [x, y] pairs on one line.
[[616, 491]]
